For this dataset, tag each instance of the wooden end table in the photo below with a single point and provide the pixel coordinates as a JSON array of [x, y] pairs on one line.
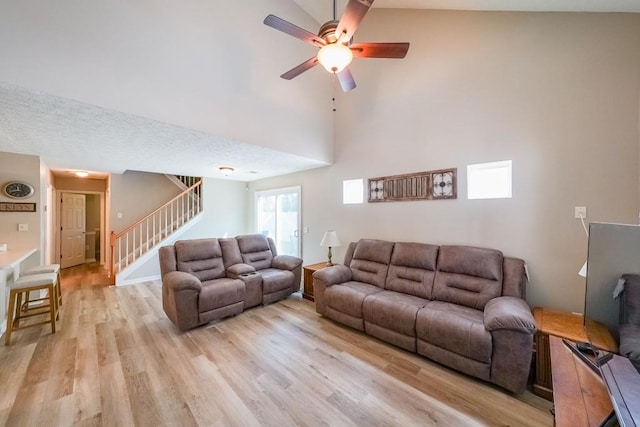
[[564, 325], [308, 279]]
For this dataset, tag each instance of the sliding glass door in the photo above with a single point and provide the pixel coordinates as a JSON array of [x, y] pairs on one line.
[[278, 217]]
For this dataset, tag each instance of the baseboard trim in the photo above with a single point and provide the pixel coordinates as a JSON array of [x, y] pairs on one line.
[[139, 280]]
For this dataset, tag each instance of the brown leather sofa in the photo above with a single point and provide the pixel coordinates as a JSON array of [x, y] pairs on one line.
[[460, 306], [208, 279]]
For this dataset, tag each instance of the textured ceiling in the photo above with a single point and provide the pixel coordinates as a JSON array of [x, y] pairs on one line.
[[71, 135]]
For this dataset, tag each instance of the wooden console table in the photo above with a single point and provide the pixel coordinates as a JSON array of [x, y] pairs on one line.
[[308, 279], [580, 398], [564, 325]]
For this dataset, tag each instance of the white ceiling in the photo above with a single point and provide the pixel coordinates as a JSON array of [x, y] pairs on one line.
[[71, 135], [322, 10]]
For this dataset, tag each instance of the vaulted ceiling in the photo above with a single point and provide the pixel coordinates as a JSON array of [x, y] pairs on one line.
[[182, 88]]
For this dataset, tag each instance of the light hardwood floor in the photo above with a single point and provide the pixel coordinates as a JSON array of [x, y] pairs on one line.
[[116, 360]]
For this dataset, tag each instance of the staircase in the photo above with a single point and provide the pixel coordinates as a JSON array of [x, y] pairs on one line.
[[141, 240]]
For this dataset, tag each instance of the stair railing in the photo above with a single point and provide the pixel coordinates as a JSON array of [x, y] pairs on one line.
[[134, 241]]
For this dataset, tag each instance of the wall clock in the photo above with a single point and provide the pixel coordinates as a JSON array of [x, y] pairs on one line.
[[18, 190]]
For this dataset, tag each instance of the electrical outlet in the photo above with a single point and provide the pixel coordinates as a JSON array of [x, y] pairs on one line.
[[581, 212]]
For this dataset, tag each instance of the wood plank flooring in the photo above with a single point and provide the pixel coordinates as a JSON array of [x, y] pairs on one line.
[[116, 360]]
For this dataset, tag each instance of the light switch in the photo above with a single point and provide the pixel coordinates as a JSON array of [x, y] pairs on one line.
[[23, 227], [119, 215]]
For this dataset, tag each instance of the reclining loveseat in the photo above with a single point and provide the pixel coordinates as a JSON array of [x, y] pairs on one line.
[[208, 279], [460, 306]]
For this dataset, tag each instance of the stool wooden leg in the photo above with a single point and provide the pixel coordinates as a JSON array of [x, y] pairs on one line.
[[53, 303], [56, 299], [59, 287], [10, 315]]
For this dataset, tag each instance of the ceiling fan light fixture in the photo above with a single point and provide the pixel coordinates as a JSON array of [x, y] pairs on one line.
[[335, 57]]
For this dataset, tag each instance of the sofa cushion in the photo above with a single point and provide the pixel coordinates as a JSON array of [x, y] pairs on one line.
[[200, 257], [412, 269], [255, 251], [220, 293], [274, 280], [393, 310], [455, 328], [370, 261], [348, 297], [468, 276]]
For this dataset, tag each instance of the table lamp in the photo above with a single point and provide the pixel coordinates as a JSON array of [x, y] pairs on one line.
[[330, 239]]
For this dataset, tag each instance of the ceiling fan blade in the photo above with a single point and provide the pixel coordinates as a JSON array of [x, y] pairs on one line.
[[346, 80], [296, 71], [293, 30], [351, 17], [379, 50]]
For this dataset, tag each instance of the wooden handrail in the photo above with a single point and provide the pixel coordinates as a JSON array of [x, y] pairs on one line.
[[140, 221], [170, 205]]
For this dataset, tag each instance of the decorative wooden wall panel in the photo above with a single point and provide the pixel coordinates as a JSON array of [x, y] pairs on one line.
[[429, 185], [17, 207]]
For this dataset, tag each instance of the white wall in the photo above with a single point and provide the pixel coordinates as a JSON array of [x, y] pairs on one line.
[[556, 93], [17, 167], [202, 64], [225, 213]]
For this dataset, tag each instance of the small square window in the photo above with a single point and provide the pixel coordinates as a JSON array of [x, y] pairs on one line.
[[489, 180], [353, 191]]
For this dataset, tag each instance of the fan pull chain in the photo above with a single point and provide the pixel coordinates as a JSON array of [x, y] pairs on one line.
[[333, 98]]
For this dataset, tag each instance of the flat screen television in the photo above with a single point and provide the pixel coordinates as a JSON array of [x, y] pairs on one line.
[[614, 251]]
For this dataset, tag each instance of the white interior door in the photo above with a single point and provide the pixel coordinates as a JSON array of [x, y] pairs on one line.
[[72, 229], [278, 217]]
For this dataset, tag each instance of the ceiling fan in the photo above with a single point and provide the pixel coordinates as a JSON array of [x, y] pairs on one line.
[[335, 42]]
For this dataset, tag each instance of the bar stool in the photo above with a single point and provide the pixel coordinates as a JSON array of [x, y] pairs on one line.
[[48, 268], [21, 287]]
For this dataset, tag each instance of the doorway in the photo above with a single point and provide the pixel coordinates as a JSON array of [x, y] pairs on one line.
[[72, 229], [278, 217], [79, 227]]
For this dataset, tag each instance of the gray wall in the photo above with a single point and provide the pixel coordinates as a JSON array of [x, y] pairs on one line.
[[556, 93], [136, 194]]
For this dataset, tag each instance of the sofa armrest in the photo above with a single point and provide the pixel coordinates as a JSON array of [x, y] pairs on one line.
[[180, 294], [237, 270], [324, 278], [179, 281], [286, 262], [333, 275], [511, 313]]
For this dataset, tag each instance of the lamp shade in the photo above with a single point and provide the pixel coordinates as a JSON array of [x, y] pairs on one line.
[[330, 239], [334, 57]]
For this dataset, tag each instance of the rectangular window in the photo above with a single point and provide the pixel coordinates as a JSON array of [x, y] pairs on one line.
[[489, 180], [353, 191]]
